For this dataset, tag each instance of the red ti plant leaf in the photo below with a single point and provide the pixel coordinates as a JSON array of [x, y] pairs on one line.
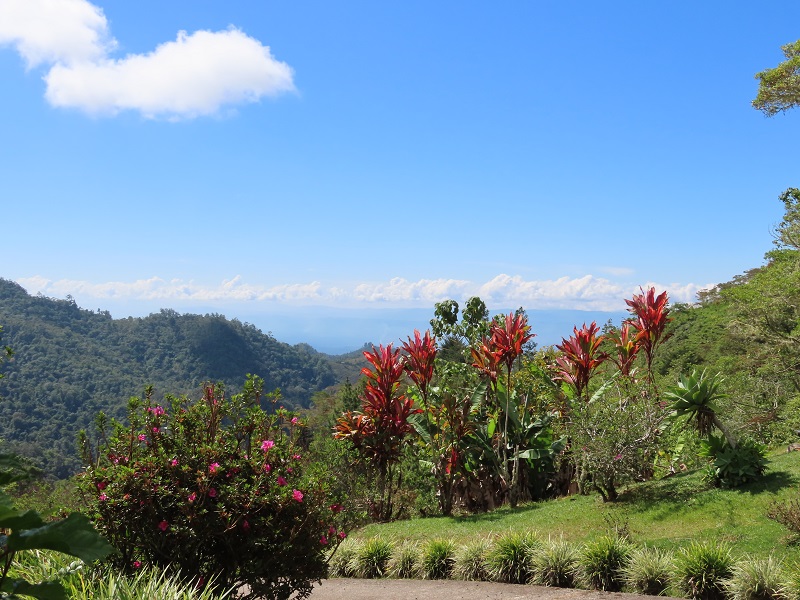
[[580, 357], [650, 318], [627, 348], [509, 337], [487, 359], [420, 361]]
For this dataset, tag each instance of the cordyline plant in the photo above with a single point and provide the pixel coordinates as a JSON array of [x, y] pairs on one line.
[[650, 318], [380, 430], [627, 349], [217, 489], [580, 357], [507, 338]]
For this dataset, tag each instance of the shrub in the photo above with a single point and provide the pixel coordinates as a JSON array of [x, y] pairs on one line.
[[405, 563], [216, 489], [701, 568], [371, 559], [554, 564], [648, 571], [601, 563], [510, 559], [147, 584], [732, 467], [438, 558], [787, 514], [758, 580], [471, 561]]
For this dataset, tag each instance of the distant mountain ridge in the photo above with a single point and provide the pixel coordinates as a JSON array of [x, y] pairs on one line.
[[70, 363]]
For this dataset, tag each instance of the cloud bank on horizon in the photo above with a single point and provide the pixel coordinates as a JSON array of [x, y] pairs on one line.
[[197, 74], [582, 293]]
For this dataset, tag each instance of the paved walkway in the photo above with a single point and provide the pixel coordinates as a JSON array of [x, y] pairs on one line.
[[412, 589]]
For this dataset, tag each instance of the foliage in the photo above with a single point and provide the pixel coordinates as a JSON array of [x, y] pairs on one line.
[[702, 568], [406, 561], [438, 559], [758, 580], [580, 357], [779, 87], [71, 363], [380, 431], [25, 531], [734, 467], [214, 488], [787, 513], [511, 558], [146, 584], [601, 563], [649, 571], [650, 318], [371, 559], [470, 561], [555, 564], [341, 562], [695, 397]]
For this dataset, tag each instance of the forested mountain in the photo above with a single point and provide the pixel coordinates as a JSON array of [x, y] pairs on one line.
[[70, 363]]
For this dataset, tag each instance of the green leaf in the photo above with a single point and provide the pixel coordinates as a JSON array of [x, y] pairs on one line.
[[47, 590], [74, 536], [11, 518]]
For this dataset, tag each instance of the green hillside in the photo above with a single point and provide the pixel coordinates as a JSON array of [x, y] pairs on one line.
[[70, 363]]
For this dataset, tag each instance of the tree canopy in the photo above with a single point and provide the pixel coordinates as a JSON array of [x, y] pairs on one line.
[[779, 88]]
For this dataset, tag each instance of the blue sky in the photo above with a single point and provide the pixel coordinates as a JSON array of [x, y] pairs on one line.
[[266, 158]]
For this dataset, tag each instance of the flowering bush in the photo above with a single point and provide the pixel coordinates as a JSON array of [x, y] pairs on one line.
[[216, 488]]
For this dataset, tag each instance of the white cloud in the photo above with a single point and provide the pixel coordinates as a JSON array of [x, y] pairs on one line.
[[501, 292], [54, 31], [195, 75]]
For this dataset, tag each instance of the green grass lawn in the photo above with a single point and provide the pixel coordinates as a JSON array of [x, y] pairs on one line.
[[667, 513]]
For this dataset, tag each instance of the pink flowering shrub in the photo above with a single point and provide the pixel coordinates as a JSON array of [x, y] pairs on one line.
[[216, 488]]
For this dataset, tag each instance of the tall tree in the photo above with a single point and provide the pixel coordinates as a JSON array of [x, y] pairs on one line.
[[779, 88]]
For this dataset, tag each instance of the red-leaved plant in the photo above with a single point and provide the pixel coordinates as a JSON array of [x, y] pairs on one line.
[[580, 358]]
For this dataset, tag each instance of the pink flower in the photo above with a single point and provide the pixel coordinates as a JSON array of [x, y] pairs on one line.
[[192, 497], [294, 420], [101, 485], [163, 526], [342, 535], [267, 468], [142, 437], [331, 530], [155, 429], [618, 457], [212, 493], [297, 495], [323, 540], [336, 508], [290, 470], [212, 468], [246, 526], [281, 480], [266, 445], [136, 564], [174, 462], [103, 497], [296, 456]]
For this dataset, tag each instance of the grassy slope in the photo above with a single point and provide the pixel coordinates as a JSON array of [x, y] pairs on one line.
[[668, 513]]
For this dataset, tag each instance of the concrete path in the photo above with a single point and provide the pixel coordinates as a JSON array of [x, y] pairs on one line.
[[412, 589]]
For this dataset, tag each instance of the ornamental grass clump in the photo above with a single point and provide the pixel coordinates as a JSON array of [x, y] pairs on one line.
[[218, 489], [371, 559], [702, 568], [405, 562], [555, 564], [342, 561], [471, 561], [510, 560], [601, 563], [758, 580], [438, 558], [649, 571]]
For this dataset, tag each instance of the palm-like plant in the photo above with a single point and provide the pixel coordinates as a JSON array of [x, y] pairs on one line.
[[695, 399], [580, 357], [650, 318]]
